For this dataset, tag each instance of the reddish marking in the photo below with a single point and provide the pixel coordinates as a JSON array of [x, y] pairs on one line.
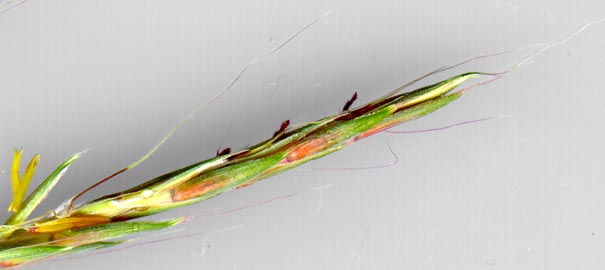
[[283, 161], [225, 151], [349, 102], [282, 127], [189, 192], [372, 131], [245, 185], [308, 148], [7, 263]]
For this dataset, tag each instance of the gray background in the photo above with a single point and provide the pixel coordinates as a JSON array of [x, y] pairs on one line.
[[518, 192]]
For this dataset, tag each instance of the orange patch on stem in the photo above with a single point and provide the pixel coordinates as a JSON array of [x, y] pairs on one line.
[[308, 148], [192, 191], [6, 264]]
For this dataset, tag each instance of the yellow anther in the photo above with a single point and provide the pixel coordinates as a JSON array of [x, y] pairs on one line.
[[21, 184]]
